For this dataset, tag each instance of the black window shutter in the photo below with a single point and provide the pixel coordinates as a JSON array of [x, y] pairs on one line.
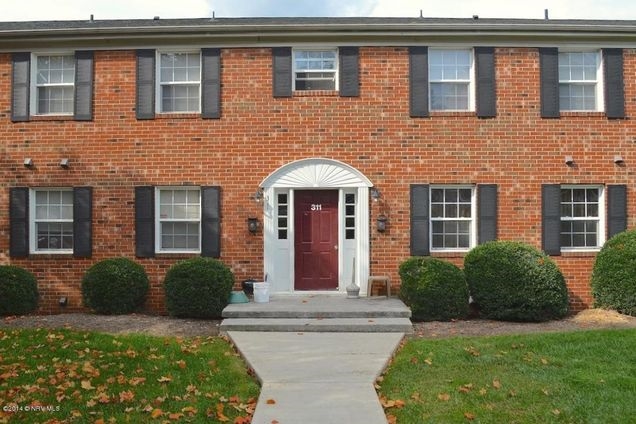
[[614, 85], [19, 222], [21, 78], [145, 222], [145, 84], [349, 72], [419, 220], [486, 212], [549, 69], [82, 222], [282, 71], [551, 219], [211, 222], [211, 83], [486, 91], [418, 81], [616, 209], [83, 101]]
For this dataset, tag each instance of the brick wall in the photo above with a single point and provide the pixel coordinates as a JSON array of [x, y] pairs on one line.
[[257, 133]]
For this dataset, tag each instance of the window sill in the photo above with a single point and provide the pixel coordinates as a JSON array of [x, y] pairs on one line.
[[185, 254], [315, 93], [451, 113], [582, 252], [52, 255], [582, 114], [51, 118], [178, 115], [449, 253]]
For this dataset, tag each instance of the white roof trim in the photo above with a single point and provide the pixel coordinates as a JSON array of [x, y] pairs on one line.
[[316, 173]]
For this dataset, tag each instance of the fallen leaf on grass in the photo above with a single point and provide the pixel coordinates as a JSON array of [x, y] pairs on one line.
[[496, 384], [156, 413], [86, 385], [391, 419], [466, 388], [556, 412], [444, 397], [164, 379], [469, 416], [126, 396]]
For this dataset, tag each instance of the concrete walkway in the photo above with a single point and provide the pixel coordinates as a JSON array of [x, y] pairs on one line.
[[317, 378]]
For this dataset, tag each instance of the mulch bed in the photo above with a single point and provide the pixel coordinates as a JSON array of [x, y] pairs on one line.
[[163, 326]]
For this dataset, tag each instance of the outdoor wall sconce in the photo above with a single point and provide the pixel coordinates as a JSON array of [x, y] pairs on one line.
[[375, 194], [258, 195], [253, 225], [569, 160], [28, 162], [381, 223], [65, 163], [63, 301], [618, 160]]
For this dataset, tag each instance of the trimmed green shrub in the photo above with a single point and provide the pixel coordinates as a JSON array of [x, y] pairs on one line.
[[435, 290], [512, 281], [18, 291], [614, 274], [115, 286], [198, 288]]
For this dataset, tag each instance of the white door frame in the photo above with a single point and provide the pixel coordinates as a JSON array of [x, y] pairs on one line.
[[315, 174]]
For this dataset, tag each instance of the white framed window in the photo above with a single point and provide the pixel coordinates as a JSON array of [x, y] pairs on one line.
[[582, 217], [178, 223], [451, 79], [452, 215], [51, 220], [53, 84], [580, 81], [315, 69], [179, 88]]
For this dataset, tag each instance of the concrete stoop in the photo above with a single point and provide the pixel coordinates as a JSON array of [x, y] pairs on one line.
[[319, 313]]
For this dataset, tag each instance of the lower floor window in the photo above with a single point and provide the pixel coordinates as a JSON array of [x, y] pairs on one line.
[[452, 217], [179, 221], [52, 220], [581, 213]]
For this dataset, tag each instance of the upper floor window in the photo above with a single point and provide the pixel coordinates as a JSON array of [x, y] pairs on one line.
[[52, 220], [315, 69], [451, 79], [179, 219], [452, 217], [179, 88], [582, 214], [54, 84], [580, 81]]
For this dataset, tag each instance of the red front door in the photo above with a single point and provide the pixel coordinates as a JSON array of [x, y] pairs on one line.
[[316, 239]]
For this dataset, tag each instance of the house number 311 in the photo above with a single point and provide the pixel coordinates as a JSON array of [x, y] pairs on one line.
[[316, 207]]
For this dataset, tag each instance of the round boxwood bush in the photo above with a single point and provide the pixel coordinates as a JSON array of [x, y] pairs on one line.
[[614, 274], [18, 291], [512, 281], [435, 290], [198, 288], [115, 286]]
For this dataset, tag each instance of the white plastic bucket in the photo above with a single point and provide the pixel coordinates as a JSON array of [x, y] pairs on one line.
[[261, 292]]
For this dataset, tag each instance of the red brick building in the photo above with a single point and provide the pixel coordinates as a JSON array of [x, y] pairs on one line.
[[312, 150]]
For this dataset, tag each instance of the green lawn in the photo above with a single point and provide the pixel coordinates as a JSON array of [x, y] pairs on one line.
[[577, 377], [90, 377]]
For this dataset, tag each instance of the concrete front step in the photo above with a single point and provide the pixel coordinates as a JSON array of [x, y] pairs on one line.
[[320, 306], [325, 325]]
